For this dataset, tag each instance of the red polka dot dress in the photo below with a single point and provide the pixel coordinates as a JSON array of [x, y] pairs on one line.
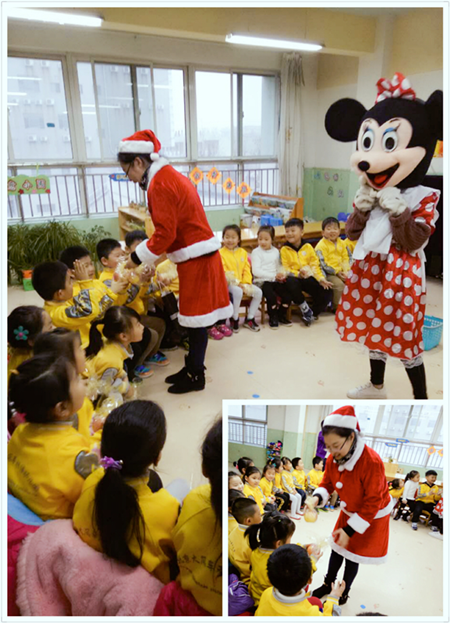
[[383, 302]]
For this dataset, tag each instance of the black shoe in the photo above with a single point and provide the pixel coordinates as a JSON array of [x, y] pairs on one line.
[[192, 382], [343, 599], [273, 322], [178, 376], [234, 325], [397, 517], [251, 324], [323, 590], [282, 319]]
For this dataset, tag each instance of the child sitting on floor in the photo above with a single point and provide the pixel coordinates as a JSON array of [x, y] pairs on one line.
[[276, 496], [25, 323], [333, 257], [251, 480], [48, 459], [289, 570], [247, 513], [239, 277], [305, 275], [117, 513], [270, 276], [315, 475]]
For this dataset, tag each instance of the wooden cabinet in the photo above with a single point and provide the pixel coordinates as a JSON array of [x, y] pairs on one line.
[[129, 215]]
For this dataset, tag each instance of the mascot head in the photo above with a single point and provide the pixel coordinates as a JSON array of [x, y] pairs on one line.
[[395, 138]]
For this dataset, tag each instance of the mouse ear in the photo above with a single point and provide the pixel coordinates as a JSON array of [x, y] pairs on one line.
[[435, 107], [343, 119]]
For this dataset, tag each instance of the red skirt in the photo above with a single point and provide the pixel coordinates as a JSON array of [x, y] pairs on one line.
[[204, 297], [383, 304], [373, 544]]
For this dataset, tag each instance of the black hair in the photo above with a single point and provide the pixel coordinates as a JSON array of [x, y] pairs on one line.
[[269, 229], [212, 465], [243, 463], [235, 228], [266, 467], [371, 614], [132, 236], [276, 463], [71, 254], [48, 278], [25, 323], [340, 431], [242, 508], [249, 471], [410, 475], [106, 246], [395, 484], [125, 158], [234, 494], [134, 434], [289, 569], [60, 343], [296, 461], [232, 475], [294, 222], [329, 220], [116, 320], [431, 472], [274, 527], [38, 385], [285, 460], [316, 460]]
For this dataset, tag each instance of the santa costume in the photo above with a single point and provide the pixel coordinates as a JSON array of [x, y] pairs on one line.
[[183, 233], [360, 480]]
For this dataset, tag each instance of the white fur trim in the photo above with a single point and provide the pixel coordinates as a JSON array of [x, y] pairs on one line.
[[195, 250], [358, 523], [324, 494], [387, 509], [344, 421], [155, 167], [360, 445], [196, 322], [339, 485], [154, 156], [355, 558], [144, 254], [343, 504], [136, 147]]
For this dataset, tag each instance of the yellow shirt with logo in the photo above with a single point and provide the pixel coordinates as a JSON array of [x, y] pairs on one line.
[[333, 256], [173, 286], [134, 293], [232, 523], [160, 513], [197, 538], [272, 605], [256, 494], [107, 365], [278, 483], [236, 261], [299, 477], [239, 552], [47, 465], [314, 478], [294, 259], [428, 494]]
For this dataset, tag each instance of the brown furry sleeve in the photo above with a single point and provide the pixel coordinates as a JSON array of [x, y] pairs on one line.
[[407, 232], [356, 223]]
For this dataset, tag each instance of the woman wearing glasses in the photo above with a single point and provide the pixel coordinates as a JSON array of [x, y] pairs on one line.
[[182, 231], [356, 472]]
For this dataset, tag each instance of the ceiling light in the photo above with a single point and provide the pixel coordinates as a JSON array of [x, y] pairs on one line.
[[54, 17], [281, 44]]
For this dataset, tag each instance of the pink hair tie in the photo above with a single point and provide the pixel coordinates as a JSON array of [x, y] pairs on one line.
[[108, 463]]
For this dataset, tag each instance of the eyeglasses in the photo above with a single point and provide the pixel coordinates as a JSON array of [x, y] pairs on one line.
[[129, 167], [339, 449]]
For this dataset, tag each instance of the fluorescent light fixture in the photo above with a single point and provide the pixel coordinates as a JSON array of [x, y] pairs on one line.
[[23, 94], [23, 78], [54, 17], [281, 44]]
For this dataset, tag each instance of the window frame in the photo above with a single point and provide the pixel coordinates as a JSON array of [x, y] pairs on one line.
[[247, 420]]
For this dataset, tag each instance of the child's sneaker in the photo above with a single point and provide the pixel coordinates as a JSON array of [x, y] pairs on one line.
[[234, 325], [158, 359], [214, 334], [307, 317], [434, 529], [224, 330], [414, 526], [251, 324], [367, 391], [437, 535], [283, 321], [143, 372], [273, 323]]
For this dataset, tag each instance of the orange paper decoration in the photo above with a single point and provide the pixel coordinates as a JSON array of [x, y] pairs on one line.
[[441, 452], [243, 190], [431, 450], [228, 185], [196, 175], [214, 175], [439, 150]]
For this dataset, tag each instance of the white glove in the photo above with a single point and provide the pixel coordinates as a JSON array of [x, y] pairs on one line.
[[365, 196], [391, 200]]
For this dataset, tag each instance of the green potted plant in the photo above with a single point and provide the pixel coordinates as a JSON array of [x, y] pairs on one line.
[[21, 259]]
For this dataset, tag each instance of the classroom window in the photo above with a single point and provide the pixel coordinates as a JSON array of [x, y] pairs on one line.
[[88, 111], [248, 425], [258, 115], [213, 97]]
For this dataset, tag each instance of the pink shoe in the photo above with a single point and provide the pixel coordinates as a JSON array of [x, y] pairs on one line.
[[214, 334], [224, 330]]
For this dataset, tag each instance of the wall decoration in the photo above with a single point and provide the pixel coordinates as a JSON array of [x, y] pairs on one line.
[[441, 452], [118, 177], [243, 190], [401, 440], [196, 175], [431, 450], [317, 175], [391, 444], [330, 191], [28, 185], [214, 175], [336, 177], [340, 193], [228, 185], [326, 176]]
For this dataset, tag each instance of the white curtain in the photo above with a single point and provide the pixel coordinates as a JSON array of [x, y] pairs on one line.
[[290, 159]]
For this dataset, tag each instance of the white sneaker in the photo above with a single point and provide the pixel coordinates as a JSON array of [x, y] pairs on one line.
[[437, 535], [367, 391]]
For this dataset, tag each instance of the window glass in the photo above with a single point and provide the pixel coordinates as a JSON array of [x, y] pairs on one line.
[[422, 423], [258, 115], [235, 411], [90, 121], [64, 198], [170, 112], [145, 95], [393, 422], [213, 97]]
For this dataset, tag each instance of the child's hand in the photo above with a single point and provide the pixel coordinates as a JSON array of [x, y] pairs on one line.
[[337, 588], [305, 272], [164, 279], [342, 275], [327, 285], [80, 271], [280, 277], [119, 286], [146, 275]]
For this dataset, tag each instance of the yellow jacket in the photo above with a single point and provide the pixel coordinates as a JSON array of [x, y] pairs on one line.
[[350, 244], [239, 552], [266, 487], [274, 604], [16, 356], [429, 494], [287, 482], [299, 477], [314, 478], [396, 493], [333, 256], [259, 580], [134, 293], [78, 312], [198, 542], [256, 494], [277, 481], [294, 259], [107, 365], [82, 420], [160, 513], [232, 523], [47, 465], [96, 284], [236, 261]]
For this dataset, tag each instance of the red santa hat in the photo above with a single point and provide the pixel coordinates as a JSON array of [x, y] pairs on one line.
[[344, 417], [141, 142]]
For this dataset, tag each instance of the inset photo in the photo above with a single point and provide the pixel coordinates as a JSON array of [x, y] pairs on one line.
[[334, 509]]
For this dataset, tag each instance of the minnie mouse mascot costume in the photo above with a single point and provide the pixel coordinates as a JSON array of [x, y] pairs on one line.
[[383, 302]]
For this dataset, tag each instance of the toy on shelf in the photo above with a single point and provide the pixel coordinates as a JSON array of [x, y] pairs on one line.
[[274, 449]]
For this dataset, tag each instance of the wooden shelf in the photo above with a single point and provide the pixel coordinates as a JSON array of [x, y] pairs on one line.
[[127, 214]]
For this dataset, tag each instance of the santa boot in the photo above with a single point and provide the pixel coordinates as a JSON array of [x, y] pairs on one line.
[[178, 376], [193, 381], [323, 590]]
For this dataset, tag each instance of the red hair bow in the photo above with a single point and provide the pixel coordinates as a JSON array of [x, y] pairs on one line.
[[399, 87]]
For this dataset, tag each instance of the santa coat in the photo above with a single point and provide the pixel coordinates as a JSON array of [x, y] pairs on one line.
[[365, 504], [182, 231], [383, 302]]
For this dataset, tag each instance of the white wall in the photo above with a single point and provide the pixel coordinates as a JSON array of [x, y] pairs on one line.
[[276, 417]]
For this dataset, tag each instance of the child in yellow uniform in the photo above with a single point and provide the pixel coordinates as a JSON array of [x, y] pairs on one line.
[[333, 257], [289, 570], [298, 474], [251, 480], [396, 488], [25, 323], [304, 272], [239, 277], [132, 524], [275, 495], [315, 475], [233, 494], [47, 458], [121, 327], [287, 483], [247, 513], [274, 530], [198, 534], [54, 283]]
